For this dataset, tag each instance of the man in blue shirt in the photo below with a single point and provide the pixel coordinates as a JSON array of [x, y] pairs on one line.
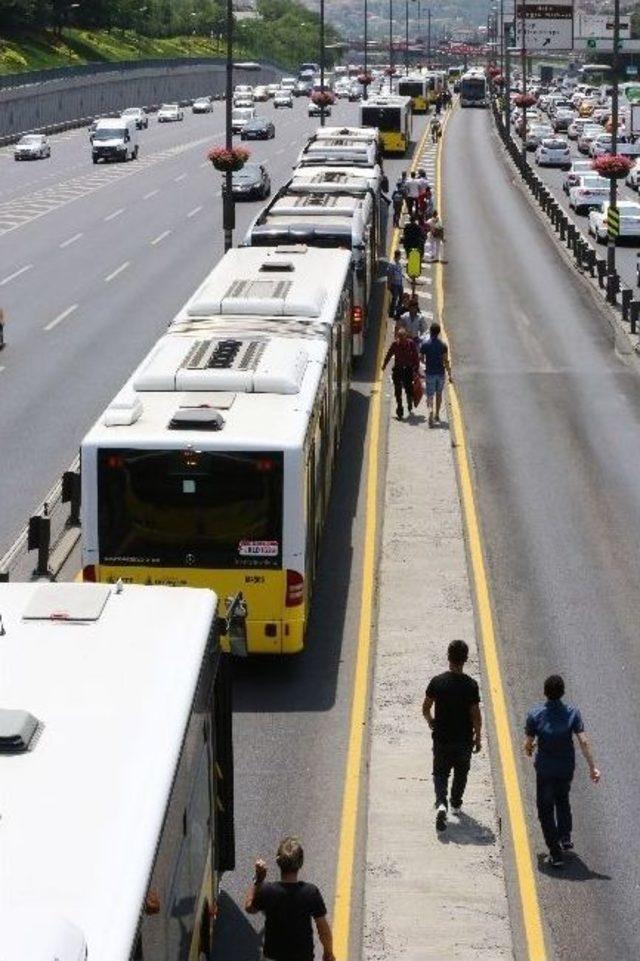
[[550, 727]]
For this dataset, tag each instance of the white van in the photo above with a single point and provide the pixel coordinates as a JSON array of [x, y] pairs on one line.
[[115, 138], [288, 83], [240, 116]]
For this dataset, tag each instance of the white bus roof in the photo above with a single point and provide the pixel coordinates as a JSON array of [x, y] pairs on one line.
[[294, 282], [319, 203], [263, 403], [110, 676], [338, 178], [367, 134]]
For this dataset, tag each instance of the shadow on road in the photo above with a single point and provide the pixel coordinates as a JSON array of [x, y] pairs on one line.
[[464, 829], [574, 869], [234, 935]]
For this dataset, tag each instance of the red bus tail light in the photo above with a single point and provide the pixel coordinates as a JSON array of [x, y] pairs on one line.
[[89, 574], [295, 589], [357, 320]]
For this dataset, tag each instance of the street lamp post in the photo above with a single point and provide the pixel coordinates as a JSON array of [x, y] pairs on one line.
[[523, 67], [429, 38], [365, 92], [613, 183], [228, 205], [390, 45], [322, 56], [406, 38]]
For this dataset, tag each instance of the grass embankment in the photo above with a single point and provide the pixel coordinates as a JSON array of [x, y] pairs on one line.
[[44, 50]]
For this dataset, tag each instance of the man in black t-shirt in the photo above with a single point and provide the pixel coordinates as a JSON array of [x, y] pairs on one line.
[[289, 905], [456, 728]]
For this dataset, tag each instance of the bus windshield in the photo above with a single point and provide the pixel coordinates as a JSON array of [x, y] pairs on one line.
[[190, 509], [473, 88], [385, 118], [411, 88]]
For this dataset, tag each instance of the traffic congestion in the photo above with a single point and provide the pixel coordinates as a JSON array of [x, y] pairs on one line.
[[353, 464]]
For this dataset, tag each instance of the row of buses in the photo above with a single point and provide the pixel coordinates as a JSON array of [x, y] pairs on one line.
[[212, 466]]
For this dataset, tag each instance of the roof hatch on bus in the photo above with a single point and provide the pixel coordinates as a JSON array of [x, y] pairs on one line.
[[316, 202], [244, 365], [275, 293], [67, 602]]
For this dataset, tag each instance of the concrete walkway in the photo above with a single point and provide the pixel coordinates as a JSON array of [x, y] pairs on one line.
[[428, 895]]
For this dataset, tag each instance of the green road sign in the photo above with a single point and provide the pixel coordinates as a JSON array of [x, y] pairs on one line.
[[613, 222], [592, 43]]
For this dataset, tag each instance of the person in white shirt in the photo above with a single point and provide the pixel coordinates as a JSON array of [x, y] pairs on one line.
[[435, 232], [413, 192], [414, 322]]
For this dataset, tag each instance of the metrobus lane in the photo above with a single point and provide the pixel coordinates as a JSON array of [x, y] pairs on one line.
[[292, 715], [84, 334], [551, 418]]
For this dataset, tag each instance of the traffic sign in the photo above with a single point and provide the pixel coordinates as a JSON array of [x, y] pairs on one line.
[[613, 222], [592, 43], [544, 25]]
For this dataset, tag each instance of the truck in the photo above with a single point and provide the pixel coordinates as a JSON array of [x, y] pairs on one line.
[[115, 138]]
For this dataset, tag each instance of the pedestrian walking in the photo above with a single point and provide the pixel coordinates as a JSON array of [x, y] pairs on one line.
[[395, 283], [549, 731], [438, 104], [406, 364], [403, 305], [413, 321], [423, 187], [397, 200], [412, 193], [435, 231], [413, 237], [435, 354], [451, 708], [436, 130], [289, 905], [1, 328]]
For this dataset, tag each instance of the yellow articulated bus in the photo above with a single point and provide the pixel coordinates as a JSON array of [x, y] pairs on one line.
[[212, 467], [392, 115], [417, 89]]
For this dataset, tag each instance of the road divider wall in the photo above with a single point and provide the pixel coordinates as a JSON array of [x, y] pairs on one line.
[[74, 101], [584, 254]]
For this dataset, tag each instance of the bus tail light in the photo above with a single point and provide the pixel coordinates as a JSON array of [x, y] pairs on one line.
[[295, 589], [89, 574], [356, 320]]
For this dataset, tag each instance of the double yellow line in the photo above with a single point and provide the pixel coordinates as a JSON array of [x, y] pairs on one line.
[[532, 921]]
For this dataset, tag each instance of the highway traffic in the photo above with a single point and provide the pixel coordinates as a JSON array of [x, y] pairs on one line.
[[95, 261]]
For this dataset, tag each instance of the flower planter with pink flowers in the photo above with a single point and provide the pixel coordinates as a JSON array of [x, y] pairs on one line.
[[323, 98], [364, 79], [613, 166], [228, 160], [524, 100], [390, 72]]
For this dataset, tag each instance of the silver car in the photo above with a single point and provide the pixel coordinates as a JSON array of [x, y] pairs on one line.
[[33, 146]]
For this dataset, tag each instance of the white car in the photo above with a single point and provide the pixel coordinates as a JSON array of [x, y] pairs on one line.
[[313, 110], [273, 89], [202, 105], [577, 126], [587, 137], [33, 146], [261, 93], [243, 100], [629, 221], [138, 114], [241, 116], [591, 191], [170, 112], [579, 168], [536, 133], [553, 152], [633, 177], [283, 98]]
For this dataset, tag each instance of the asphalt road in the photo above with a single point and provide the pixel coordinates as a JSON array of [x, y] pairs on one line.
[[88, 285], [553, 418], [626, 254], [128, 254]]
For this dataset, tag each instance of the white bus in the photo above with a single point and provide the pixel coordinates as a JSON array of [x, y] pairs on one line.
[[116, 769], [213, 465], [474, 91], [367, 153], [318, 217]]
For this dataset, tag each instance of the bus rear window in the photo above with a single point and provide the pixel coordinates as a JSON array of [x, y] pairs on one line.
[[386, 118], [407, 88], [190, 508]]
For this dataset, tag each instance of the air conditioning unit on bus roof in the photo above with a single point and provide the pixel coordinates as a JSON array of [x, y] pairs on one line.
[[261, 296], [244, 365], [316, 202]]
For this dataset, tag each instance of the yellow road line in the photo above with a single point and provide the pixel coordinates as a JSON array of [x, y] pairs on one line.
[[522, 850], [359, 704]]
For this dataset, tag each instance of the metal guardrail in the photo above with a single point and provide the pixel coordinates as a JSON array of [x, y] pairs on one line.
[[86, 121], [51, 532], [586, 258]]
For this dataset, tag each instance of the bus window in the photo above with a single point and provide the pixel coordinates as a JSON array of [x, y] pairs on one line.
[[196, 509]]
